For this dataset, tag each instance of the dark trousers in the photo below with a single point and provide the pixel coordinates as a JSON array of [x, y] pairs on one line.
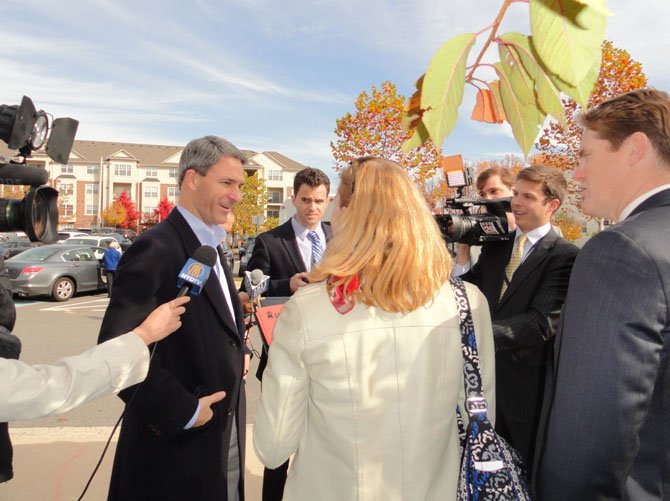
[[110, 281], [273, 483]]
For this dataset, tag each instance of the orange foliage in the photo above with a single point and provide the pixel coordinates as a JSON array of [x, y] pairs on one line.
[[559, 147], [485, 109], [375, 128], [571, 228]]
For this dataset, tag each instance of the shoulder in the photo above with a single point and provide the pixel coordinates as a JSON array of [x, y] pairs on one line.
[[281, 231], [563, 246]]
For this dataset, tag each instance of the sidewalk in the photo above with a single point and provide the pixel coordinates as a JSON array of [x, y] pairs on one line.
[[54, 464]]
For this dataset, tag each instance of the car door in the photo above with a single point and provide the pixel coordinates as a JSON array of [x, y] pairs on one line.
[[84, 268]]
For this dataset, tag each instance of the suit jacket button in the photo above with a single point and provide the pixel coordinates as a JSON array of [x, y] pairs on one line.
[[229, 412], [233, 342]]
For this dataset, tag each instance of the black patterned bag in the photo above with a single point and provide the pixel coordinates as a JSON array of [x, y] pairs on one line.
[[490, 467]]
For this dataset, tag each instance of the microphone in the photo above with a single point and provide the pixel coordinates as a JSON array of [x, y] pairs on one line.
[[256, 283], [196, 270]]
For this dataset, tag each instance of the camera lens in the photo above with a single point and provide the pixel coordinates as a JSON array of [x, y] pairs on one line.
[[36, 214]]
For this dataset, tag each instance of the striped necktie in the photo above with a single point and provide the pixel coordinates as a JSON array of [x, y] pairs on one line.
[[514, 262], [317, 251]]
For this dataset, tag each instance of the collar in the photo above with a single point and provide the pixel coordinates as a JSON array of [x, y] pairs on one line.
[[633, 205], [301, 231], [535, 235], [207, 235]]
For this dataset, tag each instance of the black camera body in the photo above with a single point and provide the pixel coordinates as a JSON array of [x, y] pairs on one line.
[[25, 128], [461, 226]]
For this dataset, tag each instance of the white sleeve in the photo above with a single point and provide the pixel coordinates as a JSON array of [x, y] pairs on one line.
[[282, 413], [28, 392]]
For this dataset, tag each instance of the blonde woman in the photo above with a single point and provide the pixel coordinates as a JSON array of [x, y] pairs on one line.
[[365, 370]]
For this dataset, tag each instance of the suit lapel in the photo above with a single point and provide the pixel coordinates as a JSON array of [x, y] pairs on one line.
[[212, 290], [656, 200], [289, 241], [534, 259]]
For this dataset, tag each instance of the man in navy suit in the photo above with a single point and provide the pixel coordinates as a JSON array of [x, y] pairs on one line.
[[287, 253], [182, 435], [605, 431], [525, 281]]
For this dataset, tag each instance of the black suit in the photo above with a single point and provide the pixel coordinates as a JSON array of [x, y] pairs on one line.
[[276, 254], [156, 458], [605, 431], [524, 319]]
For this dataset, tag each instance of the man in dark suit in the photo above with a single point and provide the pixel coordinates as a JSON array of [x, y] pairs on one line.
[[287, 253], [525, 281], [605, 430], [183, 429]]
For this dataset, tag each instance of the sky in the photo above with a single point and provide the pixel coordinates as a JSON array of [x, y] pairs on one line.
[[267, 75]]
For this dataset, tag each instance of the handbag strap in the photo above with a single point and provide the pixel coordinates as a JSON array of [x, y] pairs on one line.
[[475, 403]]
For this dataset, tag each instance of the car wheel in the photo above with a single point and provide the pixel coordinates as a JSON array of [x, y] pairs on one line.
[[63, 289]]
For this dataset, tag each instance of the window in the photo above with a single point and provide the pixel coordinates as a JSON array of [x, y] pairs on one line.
[[274, 196], [151, 191], [585, 227], [173, 192], [172, 172], [66, 188], [68, 210], [147, 209], [66, 169], [122, 169], [275, 175], [273, 213], [91, 209], [92, 189], [92, 169], [152, 172]]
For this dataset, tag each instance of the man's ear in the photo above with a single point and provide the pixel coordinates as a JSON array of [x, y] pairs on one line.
[[189, 178], [554, 205], [639, 146]]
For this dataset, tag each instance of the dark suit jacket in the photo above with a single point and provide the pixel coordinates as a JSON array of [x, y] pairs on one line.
[[605, 431], [524, 319], [156, 458], [276, 254]]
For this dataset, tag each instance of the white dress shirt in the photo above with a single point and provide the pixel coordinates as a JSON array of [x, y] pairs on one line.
[[304, 243]]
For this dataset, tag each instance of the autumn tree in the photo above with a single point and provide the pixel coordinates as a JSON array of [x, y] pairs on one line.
[[254, 199], [162, 210], [570, 227], [376, 129], [271, 222], [114, 215], [619, 73], [132, 216]]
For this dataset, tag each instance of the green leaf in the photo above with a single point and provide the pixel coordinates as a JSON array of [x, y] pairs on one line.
[[443, 86], [547, 94], [567, 35], [419, 137], [582, 92], [525, 119], [522, 84], [597, 5]]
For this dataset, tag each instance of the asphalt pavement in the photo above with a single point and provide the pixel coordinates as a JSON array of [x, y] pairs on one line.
[[54, 457]]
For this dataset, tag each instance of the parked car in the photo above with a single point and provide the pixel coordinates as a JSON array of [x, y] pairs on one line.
[[65, 234], [244, 259], [248, 241], [57, 270], [127, 233], [123, 241], [13, 247], [91, 240], [228, 255]]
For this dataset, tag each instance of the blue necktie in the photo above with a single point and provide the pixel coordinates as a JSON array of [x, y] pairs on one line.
[[317, 252]]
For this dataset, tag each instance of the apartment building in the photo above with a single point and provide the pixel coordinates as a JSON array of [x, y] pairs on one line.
[[99, 171]]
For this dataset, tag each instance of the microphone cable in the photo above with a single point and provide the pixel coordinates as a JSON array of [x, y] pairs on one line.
[[111, 435]]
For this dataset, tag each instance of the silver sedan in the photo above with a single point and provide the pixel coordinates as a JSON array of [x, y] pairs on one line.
[[58, 270]]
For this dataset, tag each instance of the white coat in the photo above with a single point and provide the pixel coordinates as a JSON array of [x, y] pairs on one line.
[[367, 400]]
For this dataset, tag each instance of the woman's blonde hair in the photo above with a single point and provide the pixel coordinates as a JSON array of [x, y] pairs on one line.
[[387, 238]]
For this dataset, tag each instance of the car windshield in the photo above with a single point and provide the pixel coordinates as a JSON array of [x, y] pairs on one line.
[[37, 254], [82, 241]]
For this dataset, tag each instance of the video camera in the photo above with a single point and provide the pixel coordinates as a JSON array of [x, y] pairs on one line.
[[25, 129], [475, 229]]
